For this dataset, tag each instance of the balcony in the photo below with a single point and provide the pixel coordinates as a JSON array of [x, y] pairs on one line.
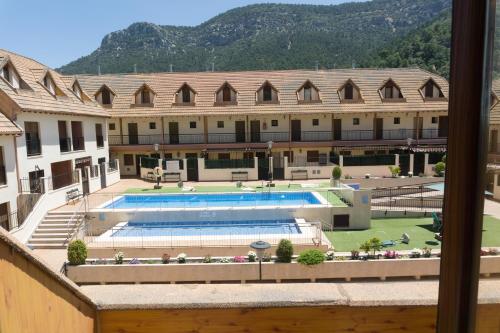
[[33, 147], [263, 137], [78, 143], [64, 145]]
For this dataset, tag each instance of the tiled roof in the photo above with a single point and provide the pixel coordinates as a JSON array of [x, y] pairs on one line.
[[495, 110], [37, 98], [165, 85], [7, 126]]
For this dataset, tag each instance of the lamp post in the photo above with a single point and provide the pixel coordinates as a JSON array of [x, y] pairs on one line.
[[260, 247], [270, 171]]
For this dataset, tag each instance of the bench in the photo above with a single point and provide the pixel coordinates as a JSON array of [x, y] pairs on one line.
[[73, 194], [299, 174], [171, 176], [239, 175]]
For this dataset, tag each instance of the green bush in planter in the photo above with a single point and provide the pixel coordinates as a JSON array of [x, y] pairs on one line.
[[311, 257], [439, 168], [284, 252], [336, 173], [77, 252]]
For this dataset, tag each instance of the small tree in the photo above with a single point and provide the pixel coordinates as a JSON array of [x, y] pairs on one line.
[[395, 170], [284, 252], [439, 168], [311, 257], [336, 173], [373, 245], [77, 252]]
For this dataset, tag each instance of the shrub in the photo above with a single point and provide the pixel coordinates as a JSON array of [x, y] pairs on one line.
[[348, 177], [284, 252], [395, 170], [390, 254], [439, 168], [336, 173], [443, 159], [77, 252], [180, 184], [266, 257], [354, 254], [239, 259], [373, 245], [329, 255], [181, 258], [165, 258], [252, 256], [427, 252], [207, 259], [119, 258], [224, 260], [239, 184], [311, 257], [416, 253]]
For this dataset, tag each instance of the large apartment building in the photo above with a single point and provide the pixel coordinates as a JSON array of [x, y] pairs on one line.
[[309, 116], [49, 127]]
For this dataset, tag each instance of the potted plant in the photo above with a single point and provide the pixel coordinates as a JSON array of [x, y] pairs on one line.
[[207, 259], [119, 258], [390, 254], [374, 244], [311, 257], [354, 254], [284, 251], [336, 174], [239, 259], [416, 253], [252, 256], [329, 255], [224, 260], [165, 258], [266, 257], [439, 168], [395, 170]]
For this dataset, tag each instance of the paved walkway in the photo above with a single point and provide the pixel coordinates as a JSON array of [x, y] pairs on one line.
[[492, 208]]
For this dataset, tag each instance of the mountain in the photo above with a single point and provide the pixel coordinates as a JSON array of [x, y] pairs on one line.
[[427, 47], [264, 36]]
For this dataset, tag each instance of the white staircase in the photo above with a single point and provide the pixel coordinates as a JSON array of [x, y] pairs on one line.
[[53, 231]]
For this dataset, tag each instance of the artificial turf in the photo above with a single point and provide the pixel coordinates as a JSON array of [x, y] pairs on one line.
[[419, 230]]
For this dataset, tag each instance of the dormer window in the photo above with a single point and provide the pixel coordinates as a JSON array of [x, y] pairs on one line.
[[349, 92], [267, 94], [77, 90], [105, 96], [493, 99], [431, 91], [185, 95], [308, 93], [390, 92], [49, 84], [6, 73], [144, 96], [9, 73], [226, 95]]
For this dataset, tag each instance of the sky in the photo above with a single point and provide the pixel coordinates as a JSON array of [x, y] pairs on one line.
[[56, 32]]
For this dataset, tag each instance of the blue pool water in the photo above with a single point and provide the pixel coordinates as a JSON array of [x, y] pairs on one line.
[[436, 186], [214, 200], [206, 228]]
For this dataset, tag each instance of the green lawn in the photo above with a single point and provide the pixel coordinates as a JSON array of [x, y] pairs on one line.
[[332, 198], [419, 229]]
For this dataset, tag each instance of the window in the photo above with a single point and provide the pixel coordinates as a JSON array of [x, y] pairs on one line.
[[432, 90], [106, 97], [128, 159], [289, 154], [274, 122], [220, 124], [391, 91], [226, 94], [397, 120], [33, 145], [112, 126], [145, 96], [3, 175], [64, 140], [168, 156], [36, 183], [152, 125], [315, 122], [267, 93], [77, 90], [312, 156], [155, 155], [186, 94], [77, 135], [307, 92], [224, 156], [99, 138], [192, 124], [6, 73], [355, 121], [348, 91], [434, 120]]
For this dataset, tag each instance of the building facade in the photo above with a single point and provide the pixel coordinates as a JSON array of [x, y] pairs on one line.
[[309, 116]]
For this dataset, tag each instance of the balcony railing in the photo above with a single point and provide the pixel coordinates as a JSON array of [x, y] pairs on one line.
[[78, 143], [33, 147], [263, 137], [64, 145]]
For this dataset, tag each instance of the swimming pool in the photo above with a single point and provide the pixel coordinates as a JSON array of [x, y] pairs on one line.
[[198, 200], [207, 228]]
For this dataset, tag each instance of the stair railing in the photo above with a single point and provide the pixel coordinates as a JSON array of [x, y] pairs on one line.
[[77, 218]]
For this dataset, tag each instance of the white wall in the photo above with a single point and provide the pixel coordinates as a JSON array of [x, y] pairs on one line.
[[49, 137], [8, 192], [207, 175]]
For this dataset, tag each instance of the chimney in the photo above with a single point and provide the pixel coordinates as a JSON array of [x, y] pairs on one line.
[[317, 65], [171, 68], [135, 68], [213, 66], [98, 69]]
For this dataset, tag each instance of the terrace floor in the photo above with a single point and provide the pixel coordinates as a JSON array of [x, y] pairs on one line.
[[419, 230]]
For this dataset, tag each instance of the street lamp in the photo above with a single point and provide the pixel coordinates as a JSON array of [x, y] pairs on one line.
[[260, 248], [270, 171]]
